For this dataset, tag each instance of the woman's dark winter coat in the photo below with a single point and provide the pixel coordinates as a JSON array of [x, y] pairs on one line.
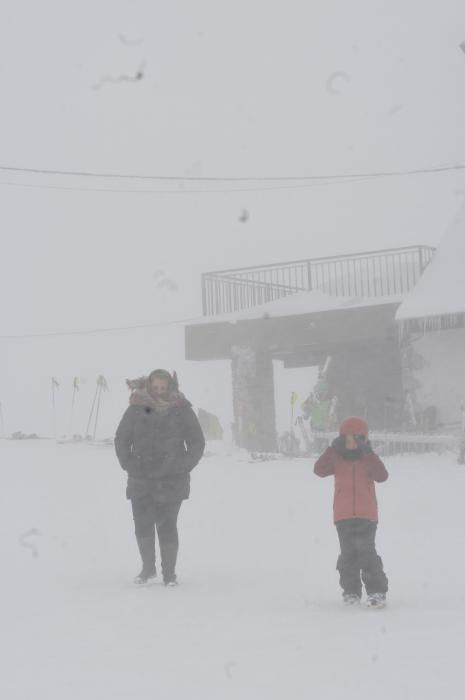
[[159, 449]]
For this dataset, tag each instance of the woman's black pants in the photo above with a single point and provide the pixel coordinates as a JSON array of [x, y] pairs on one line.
[[149, 515]]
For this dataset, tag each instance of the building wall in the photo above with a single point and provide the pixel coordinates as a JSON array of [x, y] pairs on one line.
[[434, 374], [367, 380]]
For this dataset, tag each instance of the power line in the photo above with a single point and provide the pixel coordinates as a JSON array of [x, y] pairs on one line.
[[225, 179], [111, 190], [93, 331]]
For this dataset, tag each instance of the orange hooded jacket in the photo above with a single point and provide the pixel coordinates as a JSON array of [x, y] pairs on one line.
[[354, 487]]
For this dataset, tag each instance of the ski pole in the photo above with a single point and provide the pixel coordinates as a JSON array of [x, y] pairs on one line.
[[91, 411], [72, 413], [97, 410]]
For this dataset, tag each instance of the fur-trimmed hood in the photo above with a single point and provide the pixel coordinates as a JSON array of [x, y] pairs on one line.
[[140, 396]]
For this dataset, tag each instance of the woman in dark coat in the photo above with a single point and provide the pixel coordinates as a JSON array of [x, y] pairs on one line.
[[158, 442]]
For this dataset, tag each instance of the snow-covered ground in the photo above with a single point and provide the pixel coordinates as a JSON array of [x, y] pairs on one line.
[[258, 614]]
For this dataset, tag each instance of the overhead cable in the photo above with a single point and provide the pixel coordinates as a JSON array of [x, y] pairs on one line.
[[239, 178], [93, 331]]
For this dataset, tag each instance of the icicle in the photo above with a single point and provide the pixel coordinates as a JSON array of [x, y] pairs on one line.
[[431, 324]]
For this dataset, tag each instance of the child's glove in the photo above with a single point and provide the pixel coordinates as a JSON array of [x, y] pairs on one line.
[[364, 446], [339, 443]]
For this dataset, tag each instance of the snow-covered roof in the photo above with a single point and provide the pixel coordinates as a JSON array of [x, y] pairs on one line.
[[301, 303], [440, 291]]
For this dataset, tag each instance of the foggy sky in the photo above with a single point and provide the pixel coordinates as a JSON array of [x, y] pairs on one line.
[[229, 89]]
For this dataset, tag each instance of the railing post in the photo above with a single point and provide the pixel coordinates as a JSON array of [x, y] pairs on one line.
[[309, 275], [421, 260], [217, 298], [204, 295]]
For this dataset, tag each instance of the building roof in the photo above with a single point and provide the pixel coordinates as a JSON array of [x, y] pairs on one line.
[[440, 291], [313, 301]]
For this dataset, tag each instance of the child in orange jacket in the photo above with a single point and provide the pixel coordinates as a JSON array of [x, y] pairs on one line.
[[356, 468]]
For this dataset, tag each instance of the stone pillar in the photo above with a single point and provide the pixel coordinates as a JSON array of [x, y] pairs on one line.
[[253, 400]]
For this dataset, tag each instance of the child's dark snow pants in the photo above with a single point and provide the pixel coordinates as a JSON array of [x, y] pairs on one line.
[[359, 556]]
